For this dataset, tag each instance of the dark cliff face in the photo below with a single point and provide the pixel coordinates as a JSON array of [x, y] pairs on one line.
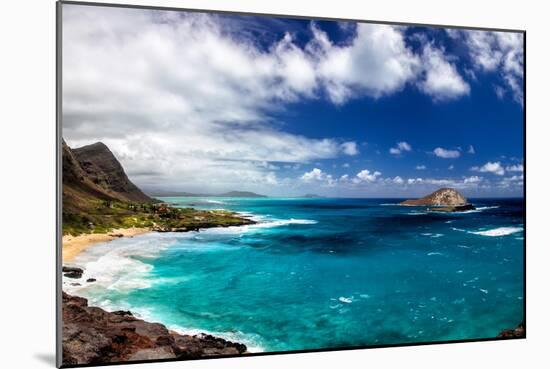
[[103, 169], [93, 173], [92, 335], [441, 197]]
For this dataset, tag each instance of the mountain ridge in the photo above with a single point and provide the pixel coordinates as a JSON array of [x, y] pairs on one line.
[[91, 173]]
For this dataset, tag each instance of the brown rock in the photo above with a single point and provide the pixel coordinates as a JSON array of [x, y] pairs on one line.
[[441, 197], [518, 332], [92, 335]]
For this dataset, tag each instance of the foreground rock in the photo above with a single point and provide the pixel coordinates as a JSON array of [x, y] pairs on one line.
[[518, 332], [72, 272], [92, 335], [444, 199]]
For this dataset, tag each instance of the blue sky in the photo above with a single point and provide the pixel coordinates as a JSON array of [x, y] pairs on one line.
[[210, 103]]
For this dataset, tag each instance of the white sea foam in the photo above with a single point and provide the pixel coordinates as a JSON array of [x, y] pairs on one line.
[[434, 253], [282, 222], [498, 232], [346, 300], [487, 207], [215, 202], [417, 213], [119, 265], [476, 210], [251, 342]]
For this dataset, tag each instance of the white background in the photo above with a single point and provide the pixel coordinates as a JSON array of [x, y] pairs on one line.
[[27, 206]]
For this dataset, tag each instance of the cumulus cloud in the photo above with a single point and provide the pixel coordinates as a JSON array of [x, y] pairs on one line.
[[398, 180], [350, 148], [498, 52], [367, 176], [400, 147], [513, 181], [464, 182], [316, 174], [130, 80], [446, 154], [442, 81], [471, 150], [490, 167], [420, 167], [376, 63], [515, 168]]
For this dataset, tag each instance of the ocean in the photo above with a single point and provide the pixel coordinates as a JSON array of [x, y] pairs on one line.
[[321, 273]]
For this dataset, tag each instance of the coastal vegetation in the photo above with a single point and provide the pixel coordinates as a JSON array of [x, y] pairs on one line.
[[98, 197], [106, 216]]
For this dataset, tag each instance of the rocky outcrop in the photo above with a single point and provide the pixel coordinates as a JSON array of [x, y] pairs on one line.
[[518, 332], [444, 199], [92, 173], [92, 335], [103, 169], [72, 272]]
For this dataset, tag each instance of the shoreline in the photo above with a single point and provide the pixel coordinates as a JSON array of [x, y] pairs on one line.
[[74, 245], [119, 336]]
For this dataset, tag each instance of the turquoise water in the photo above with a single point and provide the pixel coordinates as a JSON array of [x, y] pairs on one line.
[[320, 273]]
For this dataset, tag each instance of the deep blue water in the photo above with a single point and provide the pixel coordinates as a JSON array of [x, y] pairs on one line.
[[319, 273]]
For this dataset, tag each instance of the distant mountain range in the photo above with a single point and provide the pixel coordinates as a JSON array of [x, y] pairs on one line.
[[160, 193], [92, 173]]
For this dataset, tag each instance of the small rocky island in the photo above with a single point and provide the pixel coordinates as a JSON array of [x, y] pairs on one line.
[[443, 200]]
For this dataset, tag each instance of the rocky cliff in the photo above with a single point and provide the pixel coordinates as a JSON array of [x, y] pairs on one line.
[[93, 173], [104, 170], [92, 335]]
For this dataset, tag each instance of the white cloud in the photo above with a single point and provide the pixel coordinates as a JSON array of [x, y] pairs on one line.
[[441, 81], [318, 175], [515, 168], [465, 182], [512, 182], [471, 150], [349, 148], [398, 180], [451, 167], [130, 80], [400, 147], [472, 179], [490, 167], [499, 52], [376, 63], [420, 167], [366, 176], [446, 154]]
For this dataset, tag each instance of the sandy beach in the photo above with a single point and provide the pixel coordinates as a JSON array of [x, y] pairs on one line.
[[73, 245]]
